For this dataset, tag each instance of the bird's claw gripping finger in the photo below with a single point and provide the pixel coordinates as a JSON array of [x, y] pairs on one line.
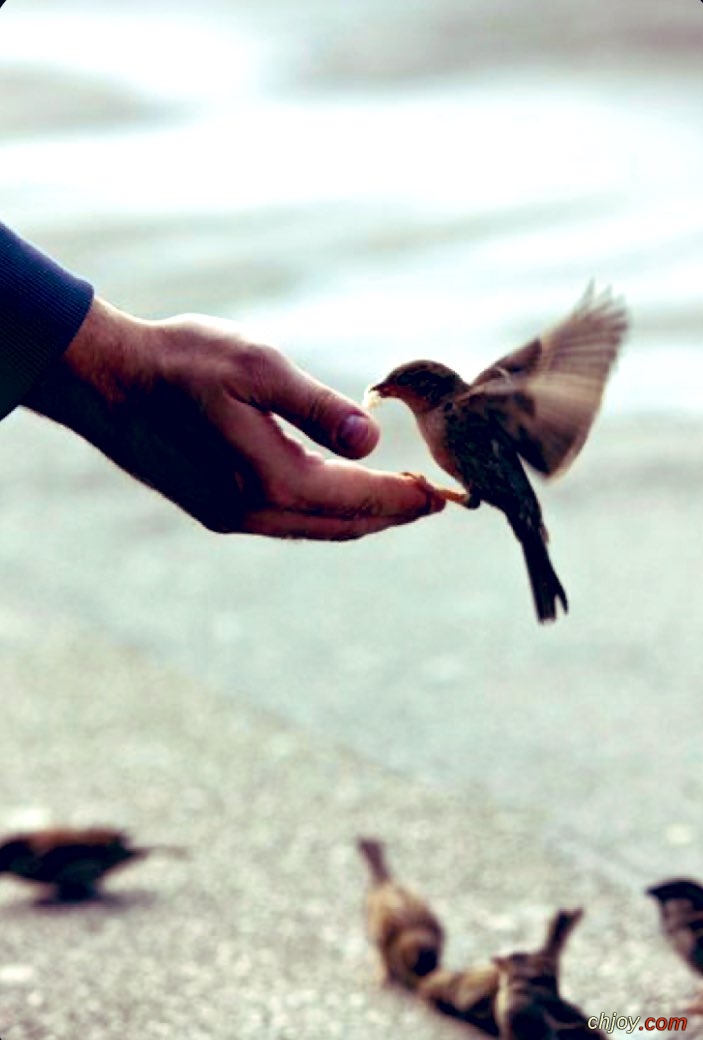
[[435, 495], [462, 498], [467, 499]]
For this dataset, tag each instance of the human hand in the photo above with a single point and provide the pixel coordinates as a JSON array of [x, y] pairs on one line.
[[191, 407]]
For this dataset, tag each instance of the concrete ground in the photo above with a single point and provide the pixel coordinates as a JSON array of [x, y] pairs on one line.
[[259, 932]]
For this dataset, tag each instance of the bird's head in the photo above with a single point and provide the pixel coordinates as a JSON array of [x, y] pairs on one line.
[[421, 385], [679, 889]]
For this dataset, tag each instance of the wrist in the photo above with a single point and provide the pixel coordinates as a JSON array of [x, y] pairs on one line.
[[107, 352], [100, 365]]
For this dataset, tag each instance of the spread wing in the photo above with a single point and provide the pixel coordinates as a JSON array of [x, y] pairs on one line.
[[547, 394]]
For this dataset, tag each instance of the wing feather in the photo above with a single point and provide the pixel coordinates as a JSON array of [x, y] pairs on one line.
[[547, 394]]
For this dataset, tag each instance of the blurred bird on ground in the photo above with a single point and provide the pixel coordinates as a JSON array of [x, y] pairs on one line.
[[528, 1003], [71, 861], [406, 933], [470, 995], [681, 908]]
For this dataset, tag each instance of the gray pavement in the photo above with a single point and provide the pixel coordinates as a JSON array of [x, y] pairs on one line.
[[264, 703], [259, 933], [419, 648]]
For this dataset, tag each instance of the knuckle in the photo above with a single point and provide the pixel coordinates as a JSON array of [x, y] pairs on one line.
[[256, 367], [321, 404], [251, 354], [367, 508]]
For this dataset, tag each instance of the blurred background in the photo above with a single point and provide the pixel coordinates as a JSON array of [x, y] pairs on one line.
[[367, 179], [365, 183]]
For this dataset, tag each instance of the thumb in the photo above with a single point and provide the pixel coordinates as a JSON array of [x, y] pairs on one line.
[[329, 418]]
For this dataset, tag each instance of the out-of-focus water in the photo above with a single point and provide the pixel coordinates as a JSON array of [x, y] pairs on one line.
[[371, 184]]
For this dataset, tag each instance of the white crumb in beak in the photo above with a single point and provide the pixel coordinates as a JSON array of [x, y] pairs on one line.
[[371, 399]]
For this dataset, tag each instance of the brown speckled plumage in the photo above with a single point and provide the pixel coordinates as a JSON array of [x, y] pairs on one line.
[[528, 1003], [466, 995], [537, 404], [407, 935], [681, 907], [470, 995]]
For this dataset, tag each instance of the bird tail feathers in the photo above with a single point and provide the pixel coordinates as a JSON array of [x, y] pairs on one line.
[[559, 929], [546, 587], [374, 854]]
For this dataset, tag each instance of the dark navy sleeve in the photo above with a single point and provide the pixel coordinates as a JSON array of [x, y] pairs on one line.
[[42, 306]]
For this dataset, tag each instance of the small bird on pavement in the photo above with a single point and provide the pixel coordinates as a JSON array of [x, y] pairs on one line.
[[681, 908], [70, 860], [538, 404], [470, 995], [467, 995], [528, 1004], [406, 933]]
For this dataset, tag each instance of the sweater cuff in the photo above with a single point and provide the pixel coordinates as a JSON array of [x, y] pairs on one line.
[[42, 306]]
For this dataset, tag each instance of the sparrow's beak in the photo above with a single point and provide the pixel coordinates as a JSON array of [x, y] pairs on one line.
[[373, 395]]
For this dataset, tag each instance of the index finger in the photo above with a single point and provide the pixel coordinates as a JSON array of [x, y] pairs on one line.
[[347, 490]]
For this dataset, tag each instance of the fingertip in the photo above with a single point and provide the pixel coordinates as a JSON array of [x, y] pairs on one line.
[[357, 435]]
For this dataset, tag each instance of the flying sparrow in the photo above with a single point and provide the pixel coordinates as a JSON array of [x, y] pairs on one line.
[[537, 404]]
